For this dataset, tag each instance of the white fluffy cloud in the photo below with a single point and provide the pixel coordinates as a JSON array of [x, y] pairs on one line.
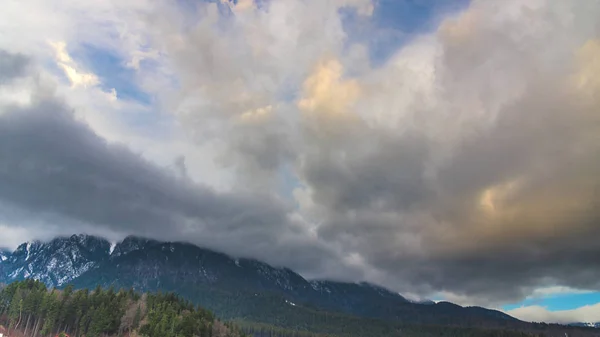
[[536, 313]]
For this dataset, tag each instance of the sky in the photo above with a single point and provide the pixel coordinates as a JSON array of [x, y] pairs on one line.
[[443, 149]]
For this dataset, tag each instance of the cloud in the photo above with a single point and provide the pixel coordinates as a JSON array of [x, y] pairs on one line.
[[12, 66], [556, 290], [481, 182], [535, 313], [449, 160], [65, 61], [56, 168], [12, 236], [324, 90], [465, 164]]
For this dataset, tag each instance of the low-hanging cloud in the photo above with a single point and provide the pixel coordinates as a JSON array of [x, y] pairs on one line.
[[536, 313], [12, 66], [54, 168]]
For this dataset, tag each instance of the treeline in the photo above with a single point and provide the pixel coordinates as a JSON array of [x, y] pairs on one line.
[[265, 330], [384, 329], [270, 316], [35, 311]]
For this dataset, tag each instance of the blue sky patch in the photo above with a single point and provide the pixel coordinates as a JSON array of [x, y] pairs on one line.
[[396, 22], [112, 72], [560, 301]]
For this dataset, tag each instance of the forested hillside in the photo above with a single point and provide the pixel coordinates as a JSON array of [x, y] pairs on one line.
[[28, 308]]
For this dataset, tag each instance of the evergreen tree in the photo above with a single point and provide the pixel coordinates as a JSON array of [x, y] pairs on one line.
[[138, 317], [16, 309]]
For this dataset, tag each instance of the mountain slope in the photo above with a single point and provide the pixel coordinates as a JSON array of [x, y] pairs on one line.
[[233, 288]]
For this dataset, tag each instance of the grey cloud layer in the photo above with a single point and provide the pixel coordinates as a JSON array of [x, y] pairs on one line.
[[52, 164], [12, 66]]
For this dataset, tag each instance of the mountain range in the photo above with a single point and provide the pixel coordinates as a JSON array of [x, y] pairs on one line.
[[588, 324], [240, 289]]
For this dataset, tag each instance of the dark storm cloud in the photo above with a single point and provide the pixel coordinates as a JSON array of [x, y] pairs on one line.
[[50, 163], [53, 163], [370, 170], [12, 66]]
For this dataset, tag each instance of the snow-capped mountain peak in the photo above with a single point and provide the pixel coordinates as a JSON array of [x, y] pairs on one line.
[[4, 255], [56, 262]]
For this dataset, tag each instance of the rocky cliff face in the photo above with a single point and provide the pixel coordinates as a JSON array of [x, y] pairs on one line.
[[55, 263]]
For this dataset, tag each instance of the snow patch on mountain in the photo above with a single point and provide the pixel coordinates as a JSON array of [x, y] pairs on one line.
[[15, 273], [320, 286], [28, 250]]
